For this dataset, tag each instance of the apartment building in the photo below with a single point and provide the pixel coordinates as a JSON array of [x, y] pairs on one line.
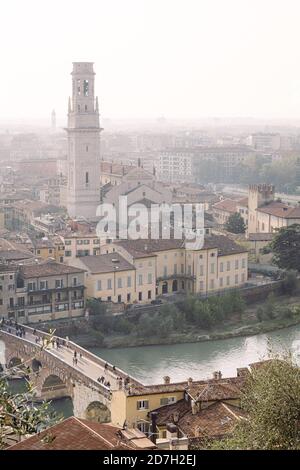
[[41, 292], [78, 244], [175, 165], [219, 264]]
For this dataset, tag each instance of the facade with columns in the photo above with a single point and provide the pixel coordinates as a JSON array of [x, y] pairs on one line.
[[83, 143]]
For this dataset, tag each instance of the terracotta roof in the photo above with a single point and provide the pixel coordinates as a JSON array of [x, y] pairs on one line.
[[80, 434], [48, 269], [106, 263], [214, 391], [279, 209], [225, 245], [213, 422], [15, 255], [227, 205]]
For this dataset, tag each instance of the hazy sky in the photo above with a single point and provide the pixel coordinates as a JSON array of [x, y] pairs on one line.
[[177, 58]]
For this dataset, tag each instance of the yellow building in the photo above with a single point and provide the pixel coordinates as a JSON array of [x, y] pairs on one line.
[[79, 244], [109, 277], [219, 264]]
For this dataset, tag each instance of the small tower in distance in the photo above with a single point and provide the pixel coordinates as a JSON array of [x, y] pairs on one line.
[[53, 121]]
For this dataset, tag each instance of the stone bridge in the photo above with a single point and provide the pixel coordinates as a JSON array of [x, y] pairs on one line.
[[55, 375]]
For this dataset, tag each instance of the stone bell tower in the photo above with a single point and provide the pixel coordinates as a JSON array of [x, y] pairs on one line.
[[83, 143]]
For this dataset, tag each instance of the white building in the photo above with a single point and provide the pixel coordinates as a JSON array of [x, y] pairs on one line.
[[83, 144]]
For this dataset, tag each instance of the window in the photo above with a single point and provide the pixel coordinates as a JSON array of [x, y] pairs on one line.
[[175, 268], [119, 299], [165, 271], [228, 280], [221, 267], [212, 268], [78, 87], [182, 269], [86, 177], [43, 285], [67, 242], [129, 281], [228, 265], [75, 281], [140, 278], [236, 279], [68, 253], [167, 401], [59, 283], [31, 286], [85, 87], [140, 296], [221, 282], [142, 405], [109, 298], [149, 278], [243, 277], [99, 287], [243, 263], [212, 284], [119, 282], [143, 427], [189, 270], [201, 285], [128, 297], [109, 284], [149, 294], [86, 148], [236, 264]]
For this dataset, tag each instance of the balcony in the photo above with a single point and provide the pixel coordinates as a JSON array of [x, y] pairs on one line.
[[169, 277]]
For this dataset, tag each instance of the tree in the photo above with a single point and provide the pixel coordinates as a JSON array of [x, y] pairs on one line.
[[235, 223], [19, 413], [271, 398], [290, 283], [286, 248]]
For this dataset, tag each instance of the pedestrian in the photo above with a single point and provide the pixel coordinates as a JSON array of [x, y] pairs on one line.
[[57, 343], [34, 331], [106, 366], [75, 354], [67, 341], [75, 360]]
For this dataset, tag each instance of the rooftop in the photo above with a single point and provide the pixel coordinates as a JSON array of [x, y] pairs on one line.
[[50, 268], [279, 209], [106, 263], [79, 434]]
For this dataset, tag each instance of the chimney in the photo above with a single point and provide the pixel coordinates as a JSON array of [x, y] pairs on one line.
[[217, 375], [172, 431], [190, 381], [153, 417], [176, 417], [194, 407], [166, 379]]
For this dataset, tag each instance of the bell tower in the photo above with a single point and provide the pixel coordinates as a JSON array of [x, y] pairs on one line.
[[83, 143]]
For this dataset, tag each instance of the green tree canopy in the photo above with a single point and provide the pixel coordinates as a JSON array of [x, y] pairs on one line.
[[271, 399], [286, 248], [235, 223]]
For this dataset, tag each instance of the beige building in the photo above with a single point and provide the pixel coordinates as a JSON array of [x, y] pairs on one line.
[[109, 277], [222, 210], [42, 292], [79, 244], [219, 264], [266, 215]]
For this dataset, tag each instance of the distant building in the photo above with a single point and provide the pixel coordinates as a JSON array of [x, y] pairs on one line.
[[266, 215], [264, 141], [222, 210], [175, 165]]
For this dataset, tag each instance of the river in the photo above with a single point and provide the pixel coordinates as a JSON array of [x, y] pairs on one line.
[[150, 364]]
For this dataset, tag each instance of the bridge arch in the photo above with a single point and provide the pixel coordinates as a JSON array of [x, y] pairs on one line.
[[36, 365], [98, 412]]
